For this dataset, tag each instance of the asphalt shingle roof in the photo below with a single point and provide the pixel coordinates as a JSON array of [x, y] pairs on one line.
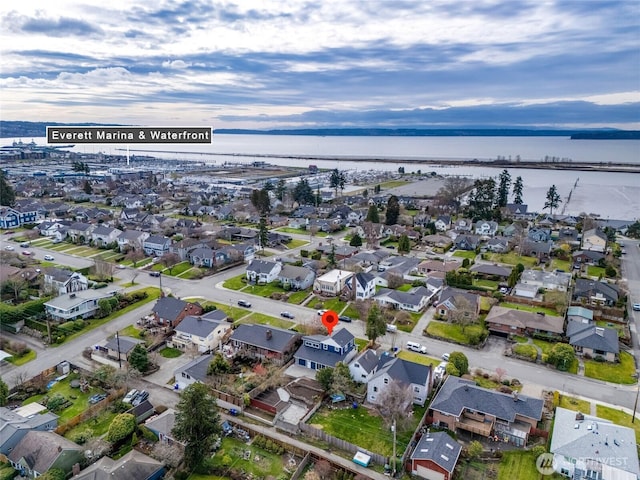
[[256, 335], [440, 448]]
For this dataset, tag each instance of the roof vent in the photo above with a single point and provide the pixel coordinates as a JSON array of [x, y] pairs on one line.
[[72, 295], [515, 396], [579, 417], [269, 334]]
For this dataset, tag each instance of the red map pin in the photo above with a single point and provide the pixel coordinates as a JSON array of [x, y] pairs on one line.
[[330, 320]]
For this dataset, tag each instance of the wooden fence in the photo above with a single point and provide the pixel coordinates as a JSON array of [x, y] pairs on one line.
[[90, 412]]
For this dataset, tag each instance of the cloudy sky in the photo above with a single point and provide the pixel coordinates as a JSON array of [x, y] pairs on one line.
[[330, 63]]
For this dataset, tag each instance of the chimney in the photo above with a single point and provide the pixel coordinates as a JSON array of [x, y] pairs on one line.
[[515, 396], [579, 417], [600, 331], [269, 334]]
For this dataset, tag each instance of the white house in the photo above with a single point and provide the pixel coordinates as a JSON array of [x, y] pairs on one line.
[[200, 333], [60, 281], [332, 283], [263, 271], [103, 235], [415, 300], [132, 239], [365, 285], [82, 304], [486, 227], [410, 375], [364, 366]]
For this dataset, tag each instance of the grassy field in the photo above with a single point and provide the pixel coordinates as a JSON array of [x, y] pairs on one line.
[[619, 417], [295, 243], [529, 308], [518, 464], [266, 320], [486, 284], [418, 358], [450, 331], [300, 231], [169, 352], [298, 297], [612, 372], [132, 331], [526, 350], [27, 357], [235, 283], [594, 271], [512, 258], [98, 425], [471, 255], [564, 265], [576, 404], [393, 184]]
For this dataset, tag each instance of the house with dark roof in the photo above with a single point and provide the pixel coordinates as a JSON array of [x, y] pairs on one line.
[[39, 451], [199, 332], [192, 372], [444, 266], [325, 351], [462, 405], [443, 223], [363, 366], [435, 456], [162, 425], [16, 217], [156, 245], [14, 426], [540, 250], [414, 300], [134, 465], [263, 271], [486, 228], [103, 235], [80, 232], [491, 271], [517, 210], [505, 321], [592, 292], [590, 340], [296, 278], [170, 311], [365, 284], [132, 239], [587, 257], [467, 242], [463, 225], [453, 299], [122, 344], [588, 447], [414, 376], [264, 342], [497, 245]]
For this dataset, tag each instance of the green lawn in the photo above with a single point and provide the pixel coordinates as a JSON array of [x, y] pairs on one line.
[[361, 343], [453, 332], [518, 464], [298, 297], [576, 404], [393, 184], [362, 428], [470, 254], [295, 243], [27, 357], [486, 284], [405, 288], [329, 303], [612, 372], [192, 273], [98, 425], [177, 269], [351, 312], [261, 464], [264, 290], [169, 352], [619, 417], [594, 271], [132, 331], [235, 283], [520, 339], [418, 358], [512, 258], [561, 265], [526, 350], [530, 308], [300, 231], [263, 319]]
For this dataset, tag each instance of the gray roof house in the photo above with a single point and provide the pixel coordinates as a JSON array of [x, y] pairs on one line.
[[414, 300], [103, 235], [363, 366], [39, 451], [452, 299], [591, 292], [14, 426], [162, 425], [435, 456], [589, 339], [82, 304], [171, 310], [201, 333], [61, 281], [192, 372], [461, 404], [132, 239], [584, 447], [120, 343], [491, 270], [265, 342], [559, 281], [467, 242], [132, 466], [156, 245], [325, 351], [365, 285], [263, 271], [417, 377], [298, 278]]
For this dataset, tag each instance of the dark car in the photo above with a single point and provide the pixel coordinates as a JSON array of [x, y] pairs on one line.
[[24, 244], [98, 397], [344, 318], [287, 315], [154, 274], [244, 303]]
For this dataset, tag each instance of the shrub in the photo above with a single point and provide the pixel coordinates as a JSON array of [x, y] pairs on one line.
[[121, 427], [56, 402], [538, 450], [81, 436], [78, 324], [304, 253], [599, 358]]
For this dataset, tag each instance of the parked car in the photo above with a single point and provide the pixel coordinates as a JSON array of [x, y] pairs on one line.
[[140, 397], [244, 303], [9, 248], [128, 398], [322, 312], [416, 347], [57, 240], [153, 273], [286, 314], [344, 318], [391, 328], [121, 267], [26, 252], [49, 258], [445, 357], [98, 397], [25, 245], [636, 307]]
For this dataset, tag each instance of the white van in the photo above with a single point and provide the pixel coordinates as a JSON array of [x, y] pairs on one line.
[[128, 398], [391, 328], [416, 347]]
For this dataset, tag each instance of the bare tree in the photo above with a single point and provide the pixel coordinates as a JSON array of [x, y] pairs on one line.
[[450, 194], [169, 454], [102, 270], [371, 234], [134, 255], [363, 306], [20, 378], [31, 234], [18, 285], [323, 469], [500, 373], [395, 280], [169, 260], [394, 402], [464, 313]]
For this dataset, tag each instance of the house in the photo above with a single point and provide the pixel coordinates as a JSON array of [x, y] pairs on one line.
[[203, 257], [491, 271], [517, 210], [558, 281], [497, 245], [296, 278], [414, 300], [453, 299], [435, 456], [594, 240], [156, 246], [428, 266], [192, 372], [325, 351], [592, 292], [364, 366], [332, 283], [437, 240], [580, 314], [16, 217], [134, 465], [132, 239], [463, 225], [443, 223], [587, 257], [264, 342], [536, 234], [462, 405], [103, 235], [263, 271], [590, 340], [525, 291], [79, 232], [118, 347], [170, 310], [162, 425], [80, 304], [38, 452], [588, 447], [14, 425], [49, 229], [365, 284], [540, 250], [486, 228], [505, 321], [200, 333], [61, 281], [466, 242], [417, 377]]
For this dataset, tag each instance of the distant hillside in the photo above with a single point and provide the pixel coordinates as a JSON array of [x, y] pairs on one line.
[[26, 130]]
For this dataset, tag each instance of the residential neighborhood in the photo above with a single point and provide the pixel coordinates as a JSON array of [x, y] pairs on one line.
[[209, 288]]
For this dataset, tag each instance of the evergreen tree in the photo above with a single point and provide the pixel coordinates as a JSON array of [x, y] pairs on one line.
[[356, 240], [517, 191], [139, 358], [337, 180], [87, 187], [281, 189], [376, 325], [7, 193], [393, 211], [483, 198], [503, 188], [372, 214], [303, 194], [331, 257], [404, 244], [552, 199], [197, 423], [4, 393], [263, 232]]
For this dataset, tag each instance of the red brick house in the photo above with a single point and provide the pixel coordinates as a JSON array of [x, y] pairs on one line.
[[170, 311]]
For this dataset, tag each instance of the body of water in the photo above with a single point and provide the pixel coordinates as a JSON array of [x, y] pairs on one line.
[[609, 194]]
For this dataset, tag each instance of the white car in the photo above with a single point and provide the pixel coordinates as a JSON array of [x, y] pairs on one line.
[[416, 347], [49, 258], [322, 312], [636, 307], [9, 248], [121, 267]]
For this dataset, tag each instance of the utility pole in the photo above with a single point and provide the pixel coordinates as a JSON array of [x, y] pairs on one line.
[[635, 405], [118, 345], [393, 468]]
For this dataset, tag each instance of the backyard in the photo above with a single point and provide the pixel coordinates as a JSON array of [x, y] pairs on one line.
[[511, 258], [469, 335], [612, 372]]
